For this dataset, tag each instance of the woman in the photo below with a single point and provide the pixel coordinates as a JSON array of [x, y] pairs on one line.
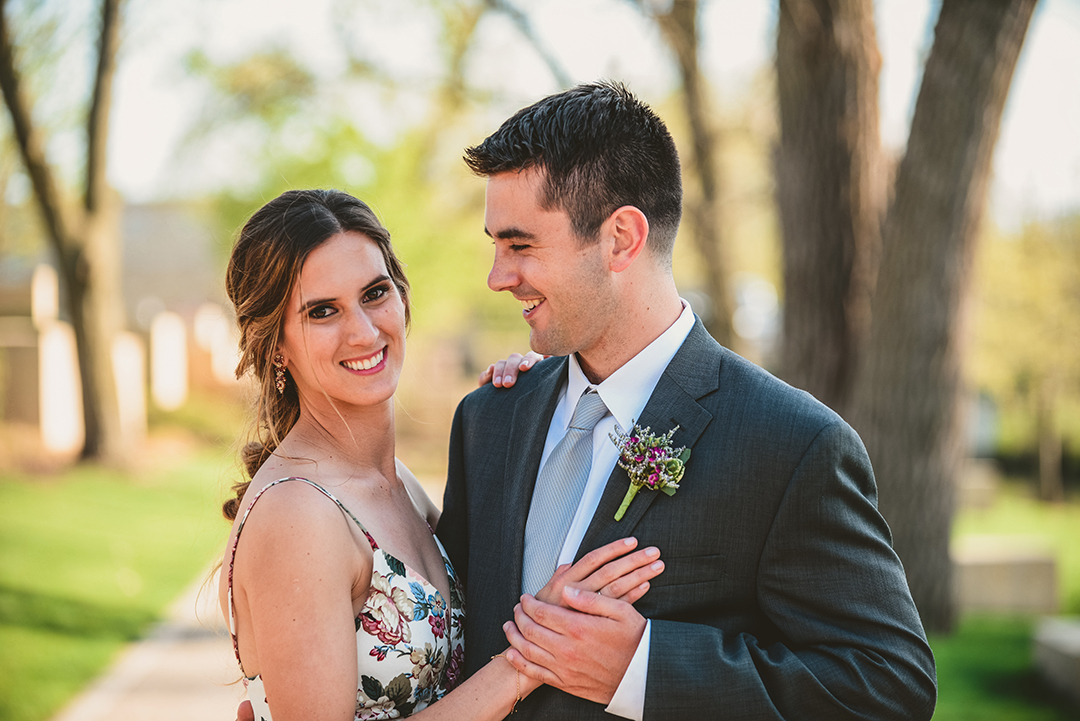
[[341, 602]]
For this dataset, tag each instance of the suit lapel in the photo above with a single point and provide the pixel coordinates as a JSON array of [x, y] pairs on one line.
[[693, 372], [528, 433]]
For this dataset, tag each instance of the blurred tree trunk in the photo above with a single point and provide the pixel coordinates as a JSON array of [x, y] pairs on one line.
[[678, 26], [907, 393], [830, 188], [1051, 486], [83, 237]]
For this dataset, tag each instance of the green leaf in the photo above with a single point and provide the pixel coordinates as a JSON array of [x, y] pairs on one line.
[[685, 455], [669, 490], [395, 565], [399, 689], [372, 687]]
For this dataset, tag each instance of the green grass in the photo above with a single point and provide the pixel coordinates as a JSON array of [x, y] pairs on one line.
[[89, 559], [985, 673]]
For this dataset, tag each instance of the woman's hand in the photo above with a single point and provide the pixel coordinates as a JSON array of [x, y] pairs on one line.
[[610, 570], [504, 373]]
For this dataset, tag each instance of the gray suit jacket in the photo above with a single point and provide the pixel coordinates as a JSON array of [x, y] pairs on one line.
[[781, 598]]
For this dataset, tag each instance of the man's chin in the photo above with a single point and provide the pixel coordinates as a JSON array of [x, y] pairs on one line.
[[545, 345]]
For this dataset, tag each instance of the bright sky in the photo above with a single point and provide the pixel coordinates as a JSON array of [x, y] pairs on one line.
[[1037, 161]]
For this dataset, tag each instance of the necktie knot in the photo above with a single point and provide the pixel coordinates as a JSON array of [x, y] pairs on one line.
[[590, 409]]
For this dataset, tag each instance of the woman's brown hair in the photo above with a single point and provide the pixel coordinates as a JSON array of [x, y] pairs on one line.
[[263, 269]]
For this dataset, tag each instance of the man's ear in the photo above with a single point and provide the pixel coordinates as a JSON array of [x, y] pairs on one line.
[[629, 229]]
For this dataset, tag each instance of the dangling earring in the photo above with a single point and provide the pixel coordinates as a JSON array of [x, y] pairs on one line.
[[279, 373]]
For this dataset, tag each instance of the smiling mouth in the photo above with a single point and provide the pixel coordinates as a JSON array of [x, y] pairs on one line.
[[366, 364], [531, 303]]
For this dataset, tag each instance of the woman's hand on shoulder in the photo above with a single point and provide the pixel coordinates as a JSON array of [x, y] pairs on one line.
[[504, 373]]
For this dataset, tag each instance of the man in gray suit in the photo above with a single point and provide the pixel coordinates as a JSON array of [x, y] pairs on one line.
[[782, 597]]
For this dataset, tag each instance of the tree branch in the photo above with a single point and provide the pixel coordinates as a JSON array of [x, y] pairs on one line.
[[521, 21], [31, 145], [97, 125]]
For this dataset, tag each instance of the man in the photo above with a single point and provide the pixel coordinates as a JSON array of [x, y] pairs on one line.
[[781, 596]]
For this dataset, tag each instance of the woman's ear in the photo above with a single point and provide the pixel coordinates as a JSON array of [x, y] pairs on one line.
[[629, 229]]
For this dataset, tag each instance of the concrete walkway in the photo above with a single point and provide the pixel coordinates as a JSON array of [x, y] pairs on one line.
[[183, 671]]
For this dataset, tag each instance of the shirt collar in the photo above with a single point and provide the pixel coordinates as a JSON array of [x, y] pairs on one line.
[[626, 391]]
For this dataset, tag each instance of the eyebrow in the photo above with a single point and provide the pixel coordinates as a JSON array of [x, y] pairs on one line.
[[320, 301], [510, 233]]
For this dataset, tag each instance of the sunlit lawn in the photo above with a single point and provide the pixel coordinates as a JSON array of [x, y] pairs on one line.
[[89, 559], [985, 673]]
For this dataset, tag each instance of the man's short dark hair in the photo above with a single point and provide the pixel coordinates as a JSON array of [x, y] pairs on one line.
[[600, 148]]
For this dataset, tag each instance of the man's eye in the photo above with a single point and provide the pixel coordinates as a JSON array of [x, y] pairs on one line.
[[517, 247]]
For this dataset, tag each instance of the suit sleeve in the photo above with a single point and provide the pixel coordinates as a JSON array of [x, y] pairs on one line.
[[848, 644]]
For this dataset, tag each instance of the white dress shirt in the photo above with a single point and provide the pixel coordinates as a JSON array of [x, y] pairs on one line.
[[625, 392]]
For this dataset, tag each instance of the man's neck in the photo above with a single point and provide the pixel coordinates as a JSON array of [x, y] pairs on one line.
[[640, 328]]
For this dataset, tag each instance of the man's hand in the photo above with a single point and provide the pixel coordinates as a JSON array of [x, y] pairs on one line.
[[583, 649], [244, 712], [504, 373]]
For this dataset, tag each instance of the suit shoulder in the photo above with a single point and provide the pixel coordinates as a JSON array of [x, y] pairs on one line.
[[748, 385], [490, 397]]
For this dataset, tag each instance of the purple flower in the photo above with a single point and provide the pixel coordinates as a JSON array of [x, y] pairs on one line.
[[455, 667]]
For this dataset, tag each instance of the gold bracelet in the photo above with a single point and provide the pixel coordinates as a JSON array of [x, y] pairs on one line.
[[517, 681]]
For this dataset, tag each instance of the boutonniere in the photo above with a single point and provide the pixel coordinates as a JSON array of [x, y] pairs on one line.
[[650, 461]]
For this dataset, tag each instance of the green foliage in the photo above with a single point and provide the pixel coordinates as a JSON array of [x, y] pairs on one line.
[[88, 560], [269, 86], [1027, 331]]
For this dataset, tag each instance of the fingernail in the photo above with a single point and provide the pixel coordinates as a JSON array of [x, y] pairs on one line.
[[652, 552], [497, 380], [657, 566], [572, 592], [506, 626], [629, 541]]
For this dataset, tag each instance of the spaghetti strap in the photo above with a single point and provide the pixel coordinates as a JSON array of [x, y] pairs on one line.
[[236, 540]]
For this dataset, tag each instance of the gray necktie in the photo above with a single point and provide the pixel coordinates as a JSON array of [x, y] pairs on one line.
[[558, 493]]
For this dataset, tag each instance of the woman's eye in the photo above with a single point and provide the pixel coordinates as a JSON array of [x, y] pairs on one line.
[[320, 311], [376, 293]]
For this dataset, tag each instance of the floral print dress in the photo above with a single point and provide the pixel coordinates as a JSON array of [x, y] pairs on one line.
[[409, 641]]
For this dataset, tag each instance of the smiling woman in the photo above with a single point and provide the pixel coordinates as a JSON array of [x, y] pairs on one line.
[[328, 622]]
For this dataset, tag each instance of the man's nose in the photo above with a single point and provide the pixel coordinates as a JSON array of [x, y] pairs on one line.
[[503, 275]]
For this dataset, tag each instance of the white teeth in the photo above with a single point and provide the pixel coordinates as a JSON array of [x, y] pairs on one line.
[[531, 303], [365, 365]]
